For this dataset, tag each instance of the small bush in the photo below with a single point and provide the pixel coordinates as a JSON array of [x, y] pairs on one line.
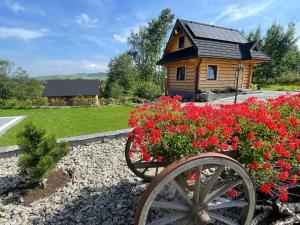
[[107, 101], [147, 90], [40, 153], [130, 99], [25, 103]]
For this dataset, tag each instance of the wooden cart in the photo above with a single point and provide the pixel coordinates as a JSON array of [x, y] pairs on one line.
[[206, 188]]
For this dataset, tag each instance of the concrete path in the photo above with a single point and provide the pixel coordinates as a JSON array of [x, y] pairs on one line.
[[8, 122], [241, 98]]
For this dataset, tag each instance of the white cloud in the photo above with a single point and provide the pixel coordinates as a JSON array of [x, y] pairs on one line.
[[125, 33], [237, 12], [85, 21], [15, 6], [121, 37], [95, 67], [21, 33]]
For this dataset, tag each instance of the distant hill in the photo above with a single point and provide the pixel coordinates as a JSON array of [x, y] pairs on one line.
[[100, 75]]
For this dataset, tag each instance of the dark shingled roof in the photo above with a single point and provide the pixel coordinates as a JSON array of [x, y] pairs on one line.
[[213, 42], [64, 88]]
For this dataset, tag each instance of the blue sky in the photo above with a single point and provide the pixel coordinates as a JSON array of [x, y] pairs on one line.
[[70, 36]]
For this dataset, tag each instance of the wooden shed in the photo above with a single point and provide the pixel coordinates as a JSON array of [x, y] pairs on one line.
[[72, 92], [201, 57]]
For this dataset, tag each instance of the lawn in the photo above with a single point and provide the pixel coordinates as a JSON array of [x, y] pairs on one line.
[[68, 122], [281, 87]]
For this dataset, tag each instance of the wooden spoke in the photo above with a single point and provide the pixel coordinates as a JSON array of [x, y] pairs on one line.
[[170, 205], [172, 217], [222, 190], [197, 185], [222, 219], [206, 189], [182, 182], [231, 204], [182, 192], [156, 171]]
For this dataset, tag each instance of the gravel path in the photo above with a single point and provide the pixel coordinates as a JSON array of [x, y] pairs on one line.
[[102, 190]]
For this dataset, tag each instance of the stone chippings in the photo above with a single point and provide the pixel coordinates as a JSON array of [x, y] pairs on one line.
[[102, 190]]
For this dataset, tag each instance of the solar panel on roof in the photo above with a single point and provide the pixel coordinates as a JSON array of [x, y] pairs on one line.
[[217, 33]]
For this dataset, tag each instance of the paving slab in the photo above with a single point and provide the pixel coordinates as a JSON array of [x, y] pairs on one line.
[[263, 95], [8, 122]]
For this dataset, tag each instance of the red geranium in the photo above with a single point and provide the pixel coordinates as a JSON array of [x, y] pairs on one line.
[[266, 188], [266, 134]]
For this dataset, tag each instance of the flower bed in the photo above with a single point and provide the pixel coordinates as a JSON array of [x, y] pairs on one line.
[[266, 134]]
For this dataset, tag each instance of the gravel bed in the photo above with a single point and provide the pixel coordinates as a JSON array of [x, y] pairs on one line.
[[102, 190]]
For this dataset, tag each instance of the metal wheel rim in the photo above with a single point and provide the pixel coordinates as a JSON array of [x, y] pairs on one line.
[[130, 164], [176, 168]]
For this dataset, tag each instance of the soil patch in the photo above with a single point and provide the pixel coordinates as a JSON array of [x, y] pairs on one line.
[[55, 180]]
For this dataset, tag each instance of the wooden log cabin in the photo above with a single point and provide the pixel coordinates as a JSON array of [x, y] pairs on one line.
[[200, 57]]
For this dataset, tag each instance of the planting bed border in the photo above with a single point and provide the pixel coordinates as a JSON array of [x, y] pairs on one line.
[[14, 150]]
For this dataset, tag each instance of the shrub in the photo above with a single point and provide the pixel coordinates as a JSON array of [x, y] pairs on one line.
[[26, 103], [147, 90], [129, 99], [40, 153], [114, 90], [108, 101], [266, 134]]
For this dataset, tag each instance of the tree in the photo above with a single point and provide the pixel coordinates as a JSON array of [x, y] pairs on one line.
[[147, 44], [256, 36], [280, 44], [15, 83], [121, 74]]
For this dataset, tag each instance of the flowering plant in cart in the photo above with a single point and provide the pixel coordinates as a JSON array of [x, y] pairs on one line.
[[265, 134]]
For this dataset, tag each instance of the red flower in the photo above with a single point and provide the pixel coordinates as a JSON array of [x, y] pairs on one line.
[[266, 188], [267, 166], [156, 134], [251, 135], [287, 167], [281, 163], [257, 144], [267, 155], [294, 121], [294, 179], [254, 165], [146, 157], [283, 194], [282, 131], [232, 193], [159, 158], [177, 97], [226, 132], [283, 175], [212, 140]]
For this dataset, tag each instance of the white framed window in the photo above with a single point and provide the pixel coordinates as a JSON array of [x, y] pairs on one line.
[[180, 73], [212, 72]]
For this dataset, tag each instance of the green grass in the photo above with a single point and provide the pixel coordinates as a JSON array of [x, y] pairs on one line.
[[67, 122], [281, 87]]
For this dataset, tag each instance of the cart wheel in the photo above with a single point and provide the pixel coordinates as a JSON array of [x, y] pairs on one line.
[[207, 188], [145, 170]]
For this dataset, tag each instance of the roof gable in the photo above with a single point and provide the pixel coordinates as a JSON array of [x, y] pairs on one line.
[[64, 88]]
